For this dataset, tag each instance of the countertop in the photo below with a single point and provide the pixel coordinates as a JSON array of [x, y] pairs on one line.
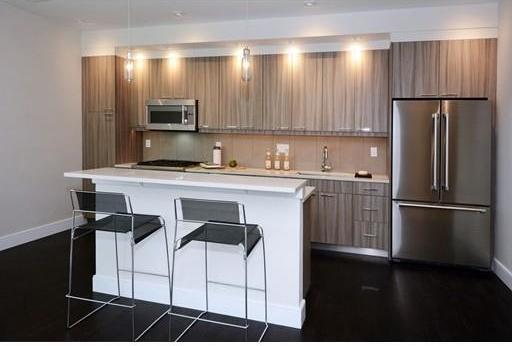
[[219, 181], [260, 172]]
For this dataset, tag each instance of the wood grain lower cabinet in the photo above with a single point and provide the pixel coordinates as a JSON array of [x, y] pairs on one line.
[[371, 235], [351, 214]]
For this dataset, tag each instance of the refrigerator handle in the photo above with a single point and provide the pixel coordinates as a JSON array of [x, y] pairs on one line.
[[444, 207], [446, 185], [435, 118]]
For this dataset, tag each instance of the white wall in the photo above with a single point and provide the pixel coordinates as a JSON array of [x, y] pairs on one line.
[[430, 23], [503, 221], [40, 126]]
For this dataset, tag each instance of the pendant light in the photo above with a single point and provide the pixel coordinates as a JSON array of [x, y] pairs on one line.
[[128, 64], [246, 52]]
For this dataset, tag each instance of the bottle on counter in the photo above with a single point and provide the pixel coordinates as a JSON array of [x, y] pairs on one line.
[[217, 153], [268, 159], [286, 162], [277, 161]]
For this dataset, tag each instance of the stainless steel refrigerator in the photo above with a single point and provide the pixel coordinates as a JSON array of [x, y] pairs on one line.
[[441, 181]]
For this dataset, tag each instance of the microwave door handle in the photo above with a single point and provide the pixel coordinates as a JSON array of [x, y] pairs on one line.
[[184, 119]]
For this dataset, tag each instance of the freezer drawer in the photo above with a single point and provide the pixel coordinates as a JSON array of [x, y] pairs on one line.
[[441, 233]]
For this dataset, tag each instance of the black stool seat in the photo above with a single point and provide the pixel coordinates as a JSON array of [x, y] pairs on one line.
[[224, 234], [143, 225]]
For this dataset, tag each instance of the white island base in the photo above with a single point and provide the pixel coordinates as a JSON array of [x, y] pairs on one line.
[[274, 203]]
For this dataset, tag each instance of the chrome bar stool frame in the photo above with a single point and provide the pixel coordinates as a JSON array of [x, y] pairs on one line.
[[131, 217], [177, 244]]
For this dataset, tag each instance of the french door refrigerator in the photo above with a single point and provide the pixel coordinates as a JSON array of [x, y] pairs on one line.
[[441, 181]]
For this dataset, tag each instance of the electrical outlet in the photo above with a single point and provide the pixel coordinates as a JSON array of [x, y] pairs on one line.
[[283, 148], [373, 152], [148, 143]]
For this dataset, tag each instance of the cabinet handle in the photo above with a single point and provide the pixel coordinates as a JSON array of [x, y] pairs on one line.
[[365, 129], [370, 189], [205, 126], [428, 95], [450, 94], [283, 128], [247, 127], [326, 195], [369, 235], [370, 209], [344, 129], [231, 126], [299, 128]]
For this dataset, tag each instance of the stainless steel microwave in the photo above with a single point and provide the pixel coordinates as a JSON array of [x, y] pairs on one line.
[[171, 114]]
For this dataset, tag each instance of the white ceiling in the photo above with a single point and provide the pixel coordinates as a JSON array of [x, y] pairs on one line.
[[112, 14]]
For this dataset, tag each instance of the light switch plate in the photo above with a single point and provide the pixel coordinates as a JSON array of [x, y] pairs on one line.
[[373, 152], [283, 148], [148, 143]]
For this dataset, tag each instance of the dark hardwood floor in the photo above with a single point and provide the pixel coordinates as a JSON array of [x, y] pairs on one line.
[[351, 299]]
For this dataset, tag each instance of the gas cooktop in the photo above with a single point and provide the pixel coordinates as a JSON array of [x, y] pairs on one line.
[[166, 165]]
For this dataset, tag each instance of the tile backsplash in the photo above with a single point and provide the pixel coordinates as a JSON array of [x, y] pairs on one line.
[[346, 154]]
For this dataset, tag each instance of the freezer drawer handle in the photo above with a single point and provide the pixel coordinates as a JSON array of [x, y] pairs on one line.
[[429, 206], [369, 235]]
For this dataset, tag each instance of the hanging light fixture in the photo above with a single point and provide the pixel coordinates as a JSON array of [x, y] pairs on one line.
[[128, 64], [246, 52]]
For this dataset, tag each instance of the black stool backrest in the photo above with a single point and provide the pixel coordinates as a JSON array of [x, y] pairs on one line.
[[201, 210], [100, 202]]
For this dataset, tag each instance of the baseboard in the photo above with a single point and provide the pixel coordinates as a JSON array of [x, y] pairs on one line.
[[221, 299], [502, 272], [31, 234]]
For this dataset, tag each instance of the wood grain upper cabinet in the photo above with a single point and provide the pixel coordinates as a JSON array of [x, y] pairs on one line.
[[415, 67], [307, 92], [140, 92], [169, 78], [98, 83], [277, 92], [229, 92], [240, 102], [372, 91], [337, 92], [206, 90], [468, 68], [98, 111]]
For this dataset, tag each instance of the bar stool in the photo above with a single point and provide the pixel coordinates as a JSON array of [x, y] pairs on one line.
[[118, 218], [221, 222]]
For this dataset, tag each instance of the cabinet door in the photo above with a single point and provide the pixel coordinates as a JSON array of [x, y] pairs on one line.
[[307, 92], [337, 92], [206, 90], [140, 92], [371, 235], [277, 92], [316, 234], [345, 232], [468, 68], [98, 83], [372, 92], [328, 217], [230, 92], [251, 94], [415, 67], [168, 78], [98, 140]]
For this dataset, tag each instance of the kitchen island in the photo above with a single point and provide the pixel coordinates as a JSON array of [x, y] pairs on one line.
[[274, 203]]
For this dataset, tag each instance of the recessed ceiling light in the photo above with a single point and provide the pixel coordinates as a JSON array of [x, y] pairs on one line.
[[179, 14], [309, 3]]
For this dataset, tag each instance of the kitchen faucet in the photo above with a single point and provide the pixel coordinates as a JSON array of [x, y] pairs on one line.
[[325, 157]]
